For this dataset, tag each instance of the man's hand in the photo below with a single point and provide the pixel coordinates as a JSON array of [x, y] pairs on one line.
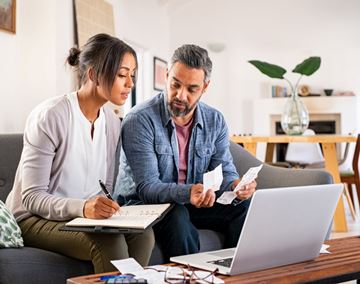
[[209, 198], [200, 199], [247, 191], [196, 195], [100, 207]]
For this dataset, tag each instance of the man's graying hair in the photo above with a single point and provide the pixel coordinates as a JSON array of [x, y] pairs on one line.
[[193, 56]]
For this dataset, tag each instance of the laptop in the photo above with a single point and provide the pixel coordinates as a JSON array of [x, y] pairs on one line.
[[282, 226]]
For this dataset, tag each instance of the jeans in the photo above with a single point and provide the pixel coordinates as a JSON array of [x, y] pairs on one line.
[[177, 233]]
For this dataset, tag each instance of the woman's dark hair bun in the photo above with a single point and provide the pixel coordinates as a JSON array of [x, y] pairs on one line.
[[73, 58]]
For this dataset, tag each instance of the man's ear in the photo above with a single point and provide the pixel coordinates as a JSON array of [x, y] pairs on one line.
[[206, 85]]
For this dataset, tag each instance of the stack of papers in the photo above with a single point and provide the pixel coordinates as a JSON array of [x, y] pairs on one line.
[[156, 274]]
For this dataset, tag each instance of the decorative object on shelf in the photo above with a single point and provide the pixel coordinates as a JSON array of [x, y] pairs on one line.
[[279, 92], [8, 15], [328, 92], [295, 117], [160, 67], [304, 90]]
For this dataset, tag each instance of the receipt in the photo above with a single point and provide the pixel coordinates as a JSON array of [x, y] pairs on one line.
[[213, 179], [127, 266], [228, 196], [248, 177]]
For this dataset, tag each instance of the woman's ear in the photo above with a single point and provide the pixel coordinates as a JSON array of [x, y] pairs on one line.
[[91, 76]]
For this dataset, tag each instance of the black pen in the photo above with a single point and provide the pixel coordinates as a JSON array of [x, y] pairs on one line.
[[104, 189]]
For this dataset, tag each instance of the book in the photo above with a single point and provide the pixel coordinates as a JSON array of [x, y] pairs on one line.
[[133, 218]]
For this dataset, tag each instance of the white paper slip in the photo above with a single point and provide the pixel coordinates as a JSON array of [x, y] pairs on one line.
[[213, 179], [127, 266], [324, 248], [248, 177], [226, 198]]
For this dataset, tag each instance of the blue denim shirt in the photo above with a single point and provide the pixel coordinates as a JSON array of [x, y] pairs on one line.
[[150, 145]]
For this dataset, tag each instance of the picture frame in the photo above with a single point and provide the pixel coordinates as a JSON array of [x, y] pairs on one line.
[[8, 16], [160, 69]]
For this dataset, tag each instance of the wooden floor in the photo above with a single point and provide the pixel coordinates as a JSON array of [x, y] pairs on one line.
[[354, 226]]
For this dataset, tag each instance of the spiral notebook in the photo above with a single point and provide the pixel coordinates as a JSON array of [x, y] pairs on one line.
[[130, 219]]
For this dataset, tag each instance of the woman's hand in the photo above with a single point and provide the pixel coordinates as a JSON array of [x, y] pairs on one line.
[[100, 207]]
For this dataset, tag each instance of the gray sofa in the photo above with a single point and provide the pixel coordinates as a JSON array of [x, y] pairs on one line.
[[32, 265]]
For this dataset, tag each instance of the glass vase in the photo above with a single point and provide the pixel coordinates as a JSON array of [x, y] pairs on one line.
[[295, 118]]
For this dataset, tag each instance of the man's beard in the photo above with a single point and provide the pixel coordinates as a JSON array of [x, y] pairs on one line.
[[177, 112]]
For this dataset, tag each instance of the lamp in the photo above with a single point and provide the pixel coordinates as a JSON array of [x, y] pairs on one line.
[[216, 46]]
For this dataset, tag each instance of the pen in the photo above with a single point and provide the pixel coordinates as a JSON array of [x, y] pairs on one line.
[[104, 189]]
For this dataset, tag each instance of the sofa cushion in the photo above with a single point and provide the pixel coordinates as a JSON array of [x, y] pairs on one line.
[[10, 151], [10, 233], [32, 265]]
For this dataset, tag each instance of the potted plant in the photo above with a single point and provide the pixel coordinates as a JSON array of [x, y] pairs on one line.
[[295, 118]]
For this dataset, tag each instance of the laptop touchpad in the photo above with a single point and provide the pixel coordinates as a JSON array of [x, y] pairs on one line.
[[223, 253]]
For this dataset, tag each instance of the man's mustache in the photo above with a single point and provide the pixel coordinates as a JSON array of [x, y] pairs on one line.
[[176, 100]]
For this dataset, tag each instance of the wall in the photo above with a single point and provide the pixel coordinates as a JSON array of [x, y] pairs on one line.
[[32, 65], [27, 63], [278, 31]]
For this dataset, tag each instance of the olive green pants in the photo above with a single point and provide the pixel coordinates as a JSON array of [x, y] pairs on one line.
[[97, 247]]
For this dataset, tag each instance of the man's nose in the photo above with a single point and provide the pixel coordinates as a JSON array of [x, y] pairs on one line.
[[181, 94]]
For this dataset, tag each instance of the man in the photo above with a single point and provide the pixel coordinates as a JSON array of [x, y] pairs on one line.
[[170, 142]]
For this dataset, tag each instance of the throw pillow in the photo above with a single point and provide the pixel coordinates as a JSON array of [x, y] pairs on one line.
[[10, 233]]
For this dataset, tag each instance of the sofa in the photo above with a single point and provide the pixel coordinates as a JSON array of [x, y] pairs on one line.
[[33, 265]]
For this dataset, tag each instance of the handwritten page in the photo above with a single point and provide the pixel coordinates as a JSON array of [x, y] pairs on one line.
[[135, 216], [213, 179], [228, 196]]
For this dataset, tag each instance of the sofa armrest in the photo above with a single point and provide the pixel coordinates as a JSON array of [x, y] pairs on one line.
[[271, 176]]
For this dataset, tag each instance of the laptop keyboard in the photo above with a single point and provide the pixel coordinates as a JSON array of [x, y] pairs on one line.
[[223, 262]]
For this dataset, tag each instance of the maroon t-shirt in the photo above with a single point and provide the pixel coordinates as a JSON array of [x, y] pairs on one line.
[[183, 136]]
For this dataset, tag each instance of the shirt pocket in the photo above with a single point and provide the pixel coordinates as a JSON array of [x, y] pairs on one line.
[[165, 158], [203, 157]]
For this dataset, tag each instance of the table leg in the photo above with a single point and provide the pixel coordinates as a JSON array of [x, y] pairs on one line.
[[331, 165], [250, 147], [269, 152]]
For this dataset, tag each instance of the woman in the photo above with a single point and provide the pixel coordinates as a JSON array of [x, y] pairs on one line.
[[70, 144]]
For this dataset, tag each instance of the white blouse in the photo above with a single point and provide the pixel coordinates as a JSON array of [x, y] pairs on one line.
[[85, 163]]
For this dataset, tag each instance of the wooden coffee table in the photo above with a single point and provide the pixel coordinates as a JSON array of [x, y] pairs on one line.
[[343, 264]]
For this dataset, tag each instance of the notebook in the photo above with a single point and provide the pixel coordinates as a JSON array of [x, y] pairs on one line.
[[130, 219], [282, 226]]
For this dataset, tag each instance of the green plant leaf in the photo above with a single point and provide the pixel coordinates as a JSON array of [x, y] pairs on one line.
[[271, 70], [308, 66]]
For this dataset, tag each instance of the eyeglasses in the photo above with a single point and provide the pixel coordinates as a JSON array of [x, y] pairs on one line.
[[189, 275]]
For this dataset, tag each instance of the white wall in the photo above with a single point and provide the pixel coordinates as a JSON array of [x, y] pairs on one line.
[[32, 61], [27, 63], [279, 31], [144, 24]]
